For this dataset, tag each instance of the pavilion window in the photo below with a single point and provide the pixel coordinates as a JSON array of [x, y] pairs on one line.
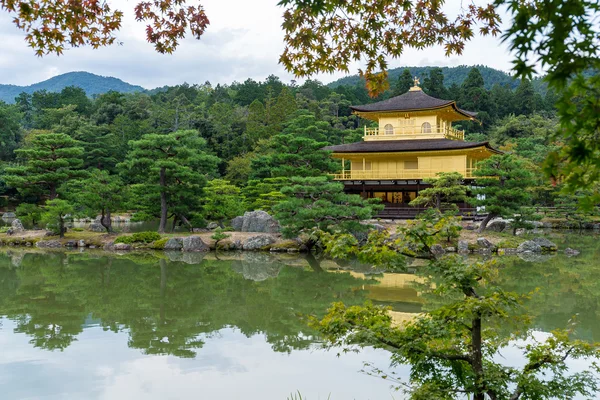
[[426, 127], [388, 129]]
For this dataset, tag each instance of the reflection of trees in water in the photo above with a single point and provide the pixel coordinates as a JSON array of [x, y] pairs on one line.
[[167, 307], [567, 286]]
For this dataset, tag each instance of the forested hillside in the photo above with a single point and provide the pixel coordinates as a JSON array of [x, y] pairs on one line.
[[244, 140], [91, 84], [452, 75]]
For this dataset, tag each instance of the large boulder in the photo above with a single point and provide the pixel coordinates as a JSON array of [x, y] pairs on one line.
[[497, 225], [9, 215], [237, 223], [256, 221], [48, 244], [194, 244], [121, 246], [212, 226], [17, 226], [96, 227], [258, 242], [545, 244], [174, 244], [484, 243], [529, 247]]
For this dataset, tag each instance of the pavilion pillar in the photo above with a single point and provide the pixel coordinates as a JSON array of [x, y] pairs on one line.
[[343, 168]]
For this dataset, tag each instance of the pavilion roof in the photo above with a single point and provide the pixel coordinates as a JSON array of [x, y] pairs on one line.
[[413, 100], [414, 145]]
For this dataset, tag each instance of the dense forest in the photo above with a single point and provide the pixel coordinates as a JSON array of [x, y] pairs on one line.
[[162, 150]]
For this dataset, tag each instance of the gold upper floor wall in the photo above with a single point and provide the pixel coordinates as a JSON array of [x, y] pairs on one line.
[[414, 125]]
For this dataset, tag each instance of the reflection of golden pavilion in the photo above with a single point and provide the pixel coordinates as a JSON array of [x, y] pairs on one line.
[[414, 140], [394, 288]]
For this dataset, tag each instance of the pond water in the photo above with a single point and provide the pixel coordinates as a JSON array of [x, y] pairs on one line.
[[192, 326]]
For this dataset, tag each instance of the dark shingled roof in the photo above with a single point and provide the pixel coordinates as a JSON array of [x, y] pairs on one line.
[[411, 100], [384, 146]]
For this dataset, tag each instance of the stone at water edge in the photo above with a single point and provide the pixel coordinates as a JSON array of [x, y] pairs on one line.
[[81, 243], [463, 247], [529, 247], [194, 244], [259, 242], [486, 244], [48, 244], [212, 226], [174, 244], [122, 246], [571, 252], [17, 226]]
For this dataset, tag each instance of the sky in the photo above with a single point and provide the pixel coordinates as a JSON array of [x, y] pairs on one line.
[[244, 40]]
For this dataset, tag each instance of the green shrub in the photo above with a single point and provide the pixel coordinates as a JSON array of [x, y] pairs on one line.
[[139, 237], [124, 239], [4, 229], [77, 229], [159, 244]]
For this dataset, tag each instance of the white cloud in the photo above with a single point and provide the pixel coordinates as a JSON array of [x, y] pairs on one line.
[[244, 40]]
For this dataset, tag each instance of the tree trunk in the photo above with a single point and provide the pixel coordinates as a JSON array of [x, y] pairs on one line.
[[186, 222], [53, 194], [105, 220], [162, 227], [485, 221], [476, 358], [174, 223], [220, 222], [61, 227]]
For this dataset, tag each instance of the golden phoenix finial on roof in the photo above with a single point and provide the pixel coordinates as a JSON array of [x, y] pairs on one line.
[[416, 80]]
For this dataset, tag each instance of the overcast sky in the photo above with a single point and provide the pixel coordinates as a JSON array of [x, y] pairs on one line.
[[244, 40]]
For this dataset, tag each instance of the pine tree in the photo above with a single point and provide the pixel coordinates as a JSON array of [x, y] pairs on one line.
[[49, 160], [433, 84], [172, 167], [525, 98], [502, 187], [403, 83]]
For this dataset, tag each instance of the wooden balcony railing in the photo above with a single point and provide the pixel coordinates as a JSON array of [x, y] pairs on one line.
[[410, 132], [403, 174]]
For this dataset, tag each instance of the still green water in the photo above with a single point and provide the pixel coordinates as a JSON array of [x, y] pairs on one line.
[[191, 326]]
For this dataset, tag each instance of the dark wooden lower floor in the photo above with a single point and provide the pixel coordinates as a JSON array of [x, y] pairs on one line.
[[396, 196]]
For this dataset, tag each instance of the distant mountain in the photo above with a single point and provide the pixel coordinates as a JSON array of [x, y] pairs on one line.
[[452, 75], [91, 83]]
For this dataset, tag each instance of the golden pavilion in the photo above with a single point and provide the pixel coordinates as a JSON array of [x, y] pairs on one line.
[[414, 140]]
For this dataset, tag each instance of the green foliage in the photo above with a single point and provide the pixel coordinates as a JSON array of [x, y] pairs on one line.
[[454, 349], [219, 235], [56, 213], [29, 213], [139, 237], [50, 159], [447, 189], [319, 203], [171, 170], [222, 201], [159, 244], [264, 194], [98, 193], [502, 186]]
